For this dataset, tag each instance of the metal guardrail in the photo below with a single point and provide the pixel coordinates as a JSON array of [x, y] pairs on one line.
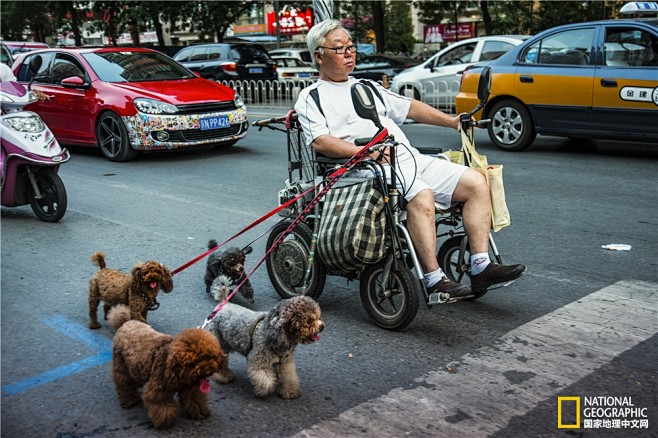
[[284, 93]]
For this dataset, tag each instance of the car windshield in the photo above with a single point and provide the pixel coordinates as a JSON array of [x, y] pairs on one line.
[[129, 66]]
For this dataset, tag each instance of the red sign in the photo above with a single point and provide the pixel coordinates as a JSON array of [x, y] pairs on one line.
[[291, 21], [439, 33]]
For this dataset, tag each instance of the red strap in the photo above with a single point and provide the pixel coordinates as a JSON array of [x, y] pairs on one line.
[[250, 226], [331, 180]]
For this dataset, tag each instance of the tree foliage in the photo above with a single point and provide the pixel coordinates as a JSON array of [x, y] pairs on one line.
[[519, 17], [41, 19], [399, 28]]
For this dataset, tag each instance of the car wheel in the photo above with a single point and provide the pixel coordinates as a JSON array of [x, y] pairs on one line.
[[511, 127], [112, 138]]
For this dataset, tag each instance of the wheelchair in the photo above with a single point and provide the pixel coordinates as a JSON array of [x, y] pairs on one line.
[[391, 288]]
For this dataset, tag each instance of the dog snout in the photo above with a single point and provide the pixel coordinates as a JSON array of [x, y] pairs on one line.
[[320, 326]]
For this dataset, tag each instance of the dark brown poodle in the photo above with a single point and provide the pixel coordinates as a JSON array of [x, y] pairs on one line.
[[163, 366], [138, 290]]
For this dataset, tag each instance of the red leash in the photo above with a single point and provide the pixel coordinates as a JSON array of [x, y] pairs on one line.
[[250, 226], [331, 180]]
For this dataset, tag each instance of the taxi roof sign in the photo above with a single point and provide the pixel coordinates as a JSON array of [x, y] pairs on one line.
[[639, 8]]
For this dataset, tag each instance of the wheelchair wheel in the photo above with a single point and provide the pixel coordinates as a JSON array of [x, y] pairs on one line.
[[392, 304], [456, 269], [286, 265]]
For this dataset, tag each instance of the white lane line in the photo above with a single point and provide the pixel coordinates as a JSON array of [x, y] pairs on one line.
[[527, 366]]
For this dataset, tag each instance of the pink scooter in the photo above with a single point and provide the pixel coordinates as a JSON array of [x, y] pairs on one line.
[[30, 155]]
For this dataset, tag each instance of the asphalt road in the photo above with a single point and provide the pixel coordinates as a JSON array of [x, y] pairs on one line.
[[581, 323]]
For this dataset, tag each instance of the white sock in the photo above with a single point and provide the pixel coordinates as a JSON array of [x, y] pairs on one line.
[[431, 278], [479, 262]]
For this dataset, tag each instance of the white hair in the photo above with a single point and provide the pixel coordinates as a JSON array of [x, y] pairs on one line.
[[317, 34]]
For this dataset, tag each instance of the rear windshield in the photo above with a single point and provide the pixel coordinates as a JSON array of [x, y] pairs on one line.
[[128, 66], [249, 54]]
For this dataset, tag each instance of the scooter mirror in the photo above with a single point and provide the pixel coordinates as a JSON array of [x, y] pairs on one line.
[[484, 86], [364, 103], [35, 64]]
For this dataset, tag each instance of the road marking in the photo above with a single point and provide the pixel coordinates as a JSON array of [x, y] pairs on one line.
[[527, 366], [96, 342]]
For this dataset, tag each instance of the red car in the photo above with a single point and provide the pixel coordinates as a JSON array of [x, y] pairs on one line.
[[126, 100]]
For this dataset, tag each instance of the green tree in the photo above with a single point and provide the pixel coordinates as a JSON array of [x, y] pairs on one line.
[[214, 18], [68, 16], [22, 20], [399, 27]]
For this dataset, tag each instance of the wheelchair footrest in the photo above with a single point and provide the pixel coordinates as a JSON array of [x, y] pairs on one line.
[[438, 298]]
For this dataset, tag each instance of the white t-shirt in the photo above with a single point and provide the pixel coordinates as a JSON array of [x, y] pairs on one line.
[[6, 75], [341, 119]]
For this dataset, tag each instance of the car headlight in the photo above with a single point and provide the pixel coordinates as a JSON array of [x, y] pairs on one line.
[[32, 96], [26, 124], [152, 106], [238, 101]]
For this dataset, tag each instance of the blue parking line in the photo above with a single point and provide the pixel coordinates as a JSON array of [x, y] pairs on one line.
[[100, 344]]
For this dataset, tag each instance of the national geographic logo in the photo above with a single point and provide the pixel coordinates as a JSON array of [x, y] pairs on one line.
[[600, 412]]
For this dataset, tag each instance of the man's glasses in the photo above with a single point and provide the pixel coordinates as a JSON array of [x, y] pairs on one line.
[[341, 50]]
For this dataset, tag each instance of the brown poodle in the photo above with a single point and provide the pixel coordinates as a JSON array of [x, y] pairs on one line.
[[138, 290], [164, 366], [268, 340]]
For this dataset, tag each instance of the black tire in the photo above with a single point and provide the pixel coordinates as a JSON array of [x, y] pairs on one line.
[[286, 265], [456, 270], [392, 306], [52, 206], [112, 138], [511, 127]]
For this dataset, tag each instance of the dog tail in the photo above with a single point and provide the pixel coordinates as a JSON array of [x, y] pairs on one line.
[[118, 315], [212, 243], [98, 259]]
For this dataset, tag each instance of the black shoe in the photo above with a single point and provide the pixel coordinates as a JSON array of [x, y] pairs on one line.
[[495, 274], [452, 288]]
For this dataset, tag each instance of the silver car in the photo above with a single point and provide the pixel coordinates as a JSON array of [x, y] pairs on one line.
[[436, 81]]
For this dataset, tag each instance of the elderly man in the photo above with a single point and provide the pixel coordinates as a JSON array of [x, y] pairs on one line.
[[333, 125]]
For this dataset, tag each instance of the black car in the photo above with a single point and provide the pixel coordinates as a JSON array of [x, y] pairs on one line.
[[229, 61], [375, 66]]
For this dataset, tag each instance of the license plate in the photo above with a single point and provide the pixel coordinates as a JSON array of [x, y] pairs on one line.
[[304, 75], [215, 122], [256, 70]]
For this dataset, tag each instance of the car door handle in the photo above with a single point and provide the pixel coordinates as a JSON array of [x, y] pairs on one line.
[[608, 83], [525, 79]]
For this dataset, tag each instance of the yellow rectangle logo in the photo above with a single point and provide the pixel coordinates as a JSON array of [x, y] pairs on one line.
[[560, 424]]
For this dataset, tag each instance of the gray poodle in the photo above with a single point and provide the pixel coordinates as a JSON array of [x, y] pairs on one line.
[[268, 340]]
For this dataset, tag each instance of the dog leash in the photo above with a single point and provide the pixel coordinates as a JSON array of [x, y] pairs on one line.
[[250, 226], [330, 181]]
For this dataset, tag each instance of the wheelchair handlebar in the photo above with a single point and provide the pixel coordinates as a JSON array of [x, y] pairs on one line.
[[265, 122]]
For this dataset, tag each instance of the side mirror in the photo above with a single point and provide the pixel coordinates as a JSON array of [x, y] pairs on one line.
[[484, 86], [72, 82], [35, 64], [364, 103]]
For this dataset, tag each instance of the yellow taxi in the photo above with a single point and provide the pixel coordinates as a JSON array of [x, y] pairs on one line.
[[586, 80]]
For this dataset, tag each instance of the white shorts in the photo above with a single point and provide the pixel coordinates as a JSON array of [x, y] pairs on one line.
[[427, 172]]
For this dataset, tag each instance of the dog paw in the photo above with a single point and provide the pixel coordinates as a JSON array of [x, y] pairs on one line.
[[94, 325], [224, 376], [130, 402], [197, 412], [290, 394]]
